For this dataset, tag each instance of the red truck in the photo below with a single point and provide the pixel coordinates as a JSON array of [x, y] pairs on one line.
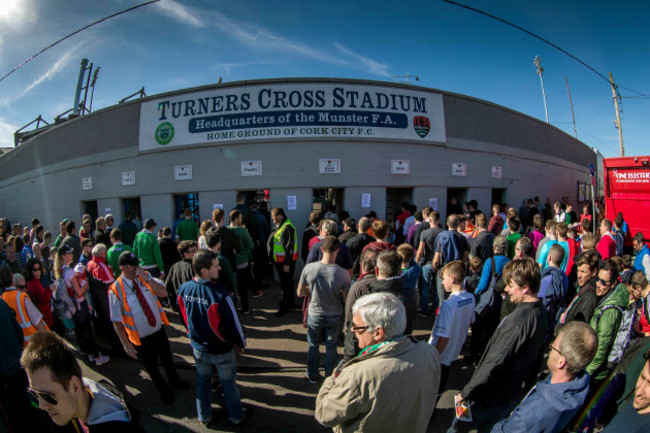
[[627, 190]]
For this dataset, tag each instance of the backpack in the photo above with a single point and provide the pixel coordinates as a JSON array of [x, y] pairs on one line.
[[624, 334], [448, 247], [489, 302], [619, 237], [63, 303]]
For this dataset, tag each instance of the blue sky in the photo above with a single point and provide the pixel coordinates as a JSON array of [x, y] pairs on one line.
[[175, 44]]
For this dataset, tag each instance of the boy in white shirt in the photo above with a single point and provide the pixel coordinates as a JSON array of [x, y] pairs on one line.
[[455, 317]]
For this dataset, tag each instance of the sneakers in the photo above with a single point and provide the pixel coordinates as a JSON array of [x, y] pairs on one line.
[[100, 360], [241, 420], [246, 312], [257, 294], [312, 381]]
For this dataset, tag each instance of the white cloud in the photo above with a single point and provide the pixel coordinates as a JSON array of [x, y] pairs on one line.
[[7, 130], [371, 65], [228, 67], [259, 38], [50, 73], [179, 12]]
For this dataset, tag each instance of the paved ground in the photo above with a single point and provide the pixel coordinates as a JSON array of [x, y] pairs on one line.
[[270, 377]]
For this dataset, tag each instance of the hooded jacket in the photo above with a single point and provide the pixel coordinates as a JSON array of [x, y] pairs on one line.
[[553, 291], [409, 297], [108, 411], [548, 407], [605, 322], [388, 390]]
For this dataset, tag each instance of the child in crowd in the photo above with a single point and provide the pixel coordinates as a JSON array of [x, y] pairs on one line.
[[410, 270], [626, 268], [475, 269], [455, 317]]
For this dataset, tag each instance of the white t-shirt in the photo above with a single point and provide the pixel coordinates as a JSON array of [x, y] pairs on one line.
[[456, 315], [139, 318]]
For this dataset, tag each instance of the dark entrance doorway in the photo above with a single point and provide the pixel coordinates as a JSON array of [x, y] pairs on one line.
[[326, 199], [455, 199]]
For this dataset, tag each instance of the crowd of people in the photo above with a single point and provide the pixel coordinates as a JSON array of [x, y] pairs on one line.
[[553, 309]]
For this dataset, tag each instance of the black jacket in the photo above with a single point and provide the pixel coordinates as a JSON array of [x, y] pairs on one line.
[[229, 244], [410, 298], [585, 304], [356, 244], [510, 357], [169, 252], [360, 288], [307, 235]]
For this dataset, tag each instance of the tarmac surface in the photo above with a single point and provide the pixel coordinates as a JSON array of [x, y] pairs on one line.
[[271, 378]]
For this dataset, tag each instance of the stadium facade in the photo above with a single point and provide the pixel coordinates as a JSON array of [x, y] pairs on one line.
[[364, 145]]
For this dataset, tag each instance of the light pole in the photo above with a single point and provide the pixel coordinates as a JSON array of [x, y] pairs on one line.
[[540, 71]]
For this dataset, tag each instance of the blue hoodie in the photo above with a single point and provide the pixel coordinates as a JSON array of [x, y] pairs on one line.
[[553, 292], [547, 408]]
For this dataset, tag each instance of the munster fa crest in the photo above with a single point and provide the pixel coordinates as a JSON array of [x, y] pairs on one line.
[[421, 125]]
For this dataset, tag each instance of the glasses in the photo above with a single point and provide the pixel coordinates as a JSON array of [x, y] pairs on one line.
[[36, 269], [603, 282], [553, 348], [38, 395], [359, 329]]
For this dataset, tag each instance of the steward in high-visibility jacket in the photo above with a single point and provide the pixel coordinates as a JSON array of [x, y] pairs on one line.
[[117, 288], [27, 315], [283, 243]]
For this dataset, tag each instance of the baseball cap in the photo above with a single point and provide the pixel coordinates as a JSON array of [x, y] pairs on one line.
[[128, 258], [149, 222], [66, 249]]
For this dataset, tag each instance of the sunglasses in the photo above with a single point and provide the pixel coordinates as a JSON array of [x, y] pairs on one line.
[[36, 269], [603, 282], [38, 395]]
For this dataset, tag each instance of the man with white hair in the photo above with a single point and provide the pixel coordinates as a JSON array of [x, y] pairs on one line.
[[98, 266], [390, 385]]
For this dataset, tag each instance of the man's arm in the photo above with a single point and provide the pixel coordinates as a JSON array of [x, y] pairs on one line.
[[303, 290], [494, 360], [155, 284], [441, 344], [121, 334], [436, 261], [606, 330], [420, 253], [338, 401]]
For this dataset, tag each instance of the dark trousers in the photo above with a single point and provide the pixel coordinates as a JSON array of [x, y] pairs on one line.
[[152, 348], [83, 329], [244, 284], [444, 375], [288, 300]]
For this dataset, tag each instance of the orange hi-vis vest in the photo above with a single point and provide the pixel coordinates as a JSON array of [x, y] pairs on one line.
[[16, 301], [127, 317]]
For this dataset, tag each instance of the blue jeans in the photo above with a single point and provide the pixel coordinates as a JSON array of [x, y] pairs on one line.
[[226, 365], [428, 275], [318, 326], [440, 295]]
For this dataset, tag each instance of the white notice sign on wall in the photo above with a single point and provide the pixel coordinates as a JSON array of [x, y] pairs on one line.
[[128, 178], [365, 200], [400, 166], [497, 171], [107, 210], [291, 202], [433, 203], [329, 166], [183, 172], [251, 168], [217, 206], [87, 183], [458, 169]]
